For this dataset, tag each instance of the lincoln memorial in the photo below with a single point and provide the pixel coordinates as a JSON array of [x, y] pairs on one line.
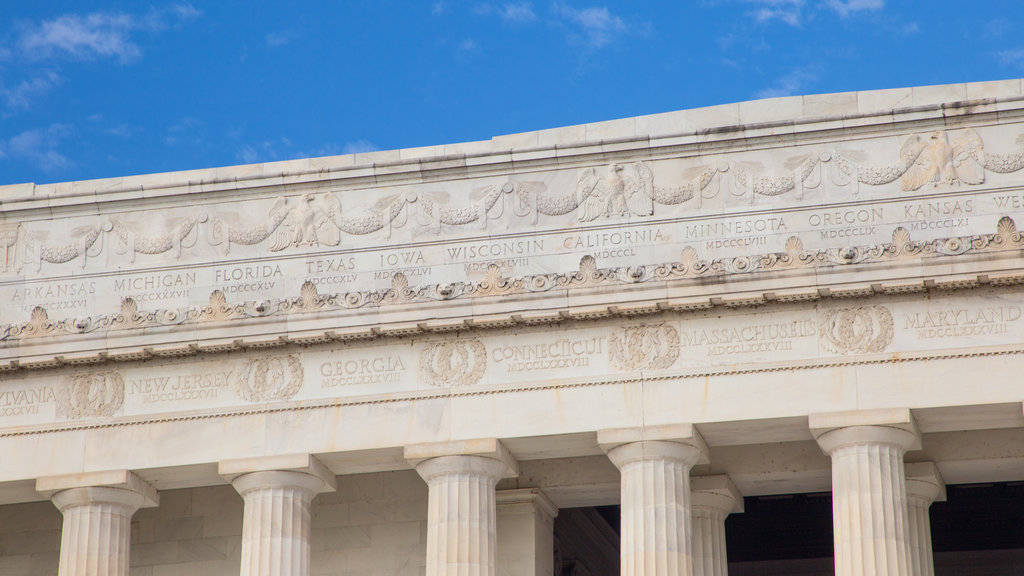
[[778, 337]]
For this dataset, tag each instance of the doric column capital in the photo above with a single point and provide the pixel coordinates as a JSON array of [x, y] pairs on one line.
[[299, 471], [487, 456], [679, 442], [924, 483], [97, 508], [278, 491], [895, 427], [461, 508], [715, 492], [119, 487]]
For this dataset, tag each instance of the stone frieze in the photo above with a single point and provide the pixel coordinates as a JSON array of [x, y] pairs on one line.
[[941, 158], [690, 265]]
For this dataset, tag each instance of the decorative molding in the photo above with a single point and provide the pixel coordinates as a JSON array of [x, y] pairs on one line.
[[689, 266], [644, 347], [941, 158], [91, 395], [269, 378], [453, 363]]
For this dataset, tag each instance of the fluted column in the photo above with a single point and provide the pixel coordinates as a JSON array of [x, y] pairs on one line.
[[869, 499], [655, 497], [276, 517], [712, 499], [461, 508], [96, 531], [924, 486]]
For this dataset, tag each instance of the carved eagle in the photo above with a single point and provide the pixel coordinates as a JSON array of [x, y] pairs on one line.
[[934, 160], [311, 222], [614, 194]]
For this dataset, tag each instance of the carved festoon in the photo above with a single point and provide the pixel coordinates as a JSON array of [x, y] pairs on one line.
[[939, 158]]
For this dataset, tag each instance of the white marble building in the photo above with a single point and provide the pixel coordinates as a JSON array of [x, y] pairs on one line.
[[424, 360]]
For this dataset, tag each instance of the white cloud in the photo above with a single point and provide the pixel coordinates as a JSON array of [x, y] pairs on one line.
[[846, 7], [788, 11], [281, 38], [1014, 57], [83, 37], [97, 35], [25, 93], [521, 12], [789, 84], [358, 147], [468, 46], [437, 8], [39, 146], [597, 25], [185, 11]]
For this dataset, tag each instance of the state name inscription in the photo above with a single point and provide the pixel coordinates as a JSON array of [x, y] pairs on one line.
[[442, 260]]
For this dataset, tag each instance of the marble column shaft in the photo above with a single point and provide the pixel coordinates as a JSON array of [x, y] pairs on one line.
[[924, 486], [712, 499], [869, 501], [96, 531], [461, 514], [655, 506], [97, 509], [275, 523]]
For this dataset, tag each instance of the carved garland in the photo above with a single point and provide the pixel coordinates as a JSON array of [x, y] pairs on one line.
[[942, 157], [689, 266]]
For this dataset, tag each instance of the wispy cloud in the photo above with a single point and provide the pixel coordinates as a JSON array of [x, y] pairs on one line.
[[40, 147], [358, 147], [788, 11], [188, 130], [437, 8], [26, 92], [275, 39], [795, 12], [795, 82], [846, 7], [90, 36], [510, 13], [97, 35], [595, 27], [1013, 57], [996, 27]]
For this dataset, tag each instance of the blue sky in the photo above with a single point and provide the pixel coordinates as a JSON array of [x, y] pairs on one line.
[[100, 89]]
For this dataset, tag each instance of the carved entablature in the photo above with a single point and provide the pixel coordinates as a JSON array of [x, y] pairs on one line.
[[424, 253]]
